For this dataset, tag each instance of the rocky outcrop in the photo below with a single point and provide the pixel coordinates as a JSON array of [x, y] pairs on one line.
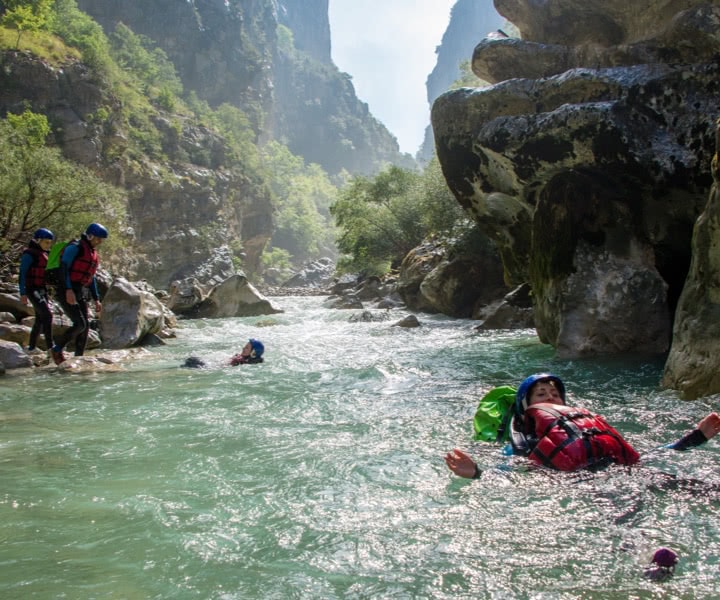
[[452, 280], [129, 314], [234, 297], [660, 32], [179, 210], [589, 180], [693, 365], [222, 51]]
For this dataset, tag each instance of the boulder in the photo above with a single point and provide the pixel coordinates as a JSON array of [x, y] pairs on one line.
[[129, 314], [317, 273], [409, 322], [12, 356], [234, 297], [414, 268], [15, 333], [10, 303], [348, 301], [185, 296], [571, 161]]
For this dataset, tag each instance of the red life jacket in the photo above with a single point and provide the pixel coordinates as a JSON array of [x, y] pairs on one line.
[[35, 276], [568, 438], [85, 265]]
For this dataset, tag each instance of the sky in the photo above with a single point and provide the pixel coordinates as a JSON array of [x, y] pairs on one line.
[[388, 48]]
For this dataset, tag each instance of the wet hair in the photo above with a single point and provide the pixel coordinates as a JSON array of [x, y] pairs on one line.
[[193, 362]]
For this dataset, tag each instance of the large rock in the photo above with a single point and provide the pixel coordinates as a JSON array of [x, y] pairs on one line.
[[615, 159], [10, 303], [12, 356], [416, 265], [690, 37], [693, 365], [128, 315], [234, 297], [456, 286], [588, 162], [599, 22]]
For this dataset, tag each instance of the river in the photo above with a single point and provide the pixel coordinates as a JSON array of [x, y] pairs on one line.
[[320, 473]]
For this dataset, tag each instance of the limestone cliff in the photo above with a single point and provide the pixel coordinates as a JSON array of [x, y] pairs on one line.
[[470, 21], [228, 52], [589, 160], [180, 208], [693, 365]]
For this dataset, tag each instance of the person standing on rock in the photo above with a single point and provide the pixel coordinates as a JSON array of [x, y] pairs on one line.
[[32, 285], [78, 266]]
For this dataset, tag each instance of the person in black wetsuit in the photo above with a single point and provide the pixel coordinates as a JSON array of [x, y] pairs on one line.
[[78, 265], [32, 285]]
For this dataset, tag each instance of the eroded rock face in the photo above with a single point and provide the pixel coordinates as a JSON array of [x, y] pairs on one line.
[[234, 297], [589, 176], [128, 315], [693, 365], [691, 36], [601, 22]]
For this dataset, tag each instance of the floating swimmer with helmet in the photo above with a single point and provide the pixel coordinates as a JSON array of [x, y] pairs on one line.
[[561, 437], [252, 353], [565, 438]]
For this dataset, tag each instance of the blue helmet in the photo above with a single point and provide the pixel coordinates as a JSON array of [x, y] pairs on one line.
[[257, 347], [43, 234], [96, 230], [522, 396]]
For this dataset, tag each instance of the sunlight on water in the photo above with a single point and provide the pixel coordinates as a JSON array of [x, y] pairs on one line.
[[319, 473]]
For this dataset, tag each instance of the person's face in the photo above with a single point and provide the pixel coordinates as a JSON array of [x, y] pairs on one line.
[[94, 240], [247, 349], [45, 244], [545, 392]]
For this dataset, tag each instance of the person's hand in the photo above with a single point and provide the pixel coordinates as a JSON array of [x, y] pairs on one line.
[[710, 425], [70, 297], [98, 307], [24, 300], [461, 464]]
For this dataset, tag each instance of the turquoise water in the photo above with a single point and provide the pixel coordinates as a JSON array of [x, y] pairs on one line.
[[319, 473]]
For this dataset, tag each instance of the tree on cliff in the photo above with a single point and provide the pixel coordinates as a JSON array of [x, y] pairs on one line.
[[39, 188], [26, 15]]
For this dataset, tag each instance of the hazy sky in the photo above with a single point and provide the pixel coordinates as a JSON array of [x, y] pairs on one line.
[[388, 47]]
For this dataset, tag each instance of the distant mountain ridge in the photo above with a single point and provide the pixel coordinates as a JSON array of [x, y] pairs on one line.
[[470, 22], [227, 52]]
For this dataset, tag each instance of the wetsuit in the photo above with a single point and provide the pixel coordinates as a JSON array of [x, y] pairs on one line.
[[78, 265], [32, 284]]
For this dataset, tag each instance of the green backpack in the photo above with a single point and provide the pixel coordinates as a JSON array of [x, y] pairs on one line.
[[53, 272], [492, 418]]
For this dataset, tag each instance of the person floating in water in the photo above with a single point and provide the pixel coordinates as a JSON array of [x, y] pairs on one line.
[[252, 353], [565, 438]]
